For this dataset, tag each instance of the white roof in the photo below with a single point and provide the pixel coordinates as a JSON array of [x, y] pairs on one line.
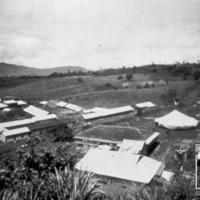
[[10, 101], [44, 117], [61, 104], [132, 146], [27, 121], [94, 110], [167, 175], [104, 147], [2, 105], [21, 103], [43, 103], [73, 107], [35, 111], [16, 123], [108, 112], [198, 156], [147, 104], [6, 110], [16, 131], [2, 129], [176, 120], [122, 165], [150, 139]]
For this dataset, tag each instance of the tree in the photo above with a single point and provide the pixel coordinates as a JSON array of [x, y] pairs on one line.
[[169, 97], [80, 80], [120, 77], [196, 75], [64, 133], [129, 77]]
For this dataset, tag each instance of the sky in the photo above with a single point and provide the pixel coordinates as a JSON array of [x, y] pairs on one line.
[[99, 33]]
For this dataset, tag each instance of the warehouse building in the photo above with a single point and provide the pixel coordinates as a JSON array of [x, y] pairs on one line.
[[121, 165], [19, 129], [106, 112]]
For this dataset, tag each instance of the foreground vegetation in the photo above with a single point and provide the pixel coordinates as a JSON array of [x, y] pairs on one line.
[[50, 175]]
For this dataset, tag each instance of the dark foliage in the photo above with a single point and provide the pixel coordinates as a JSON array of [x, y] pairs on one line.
[[169, 97], [129, 77], [120, 77], [196, 75]]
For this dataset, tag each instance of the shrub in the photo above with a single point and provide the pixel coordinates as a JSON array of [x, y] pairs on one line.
[[196, 75], [79, 80], [169, 97], [129, 77], [120, 77]]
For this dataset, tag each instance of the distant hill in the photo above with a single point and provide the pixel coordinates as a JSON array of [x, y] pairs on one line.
[[7, 69]]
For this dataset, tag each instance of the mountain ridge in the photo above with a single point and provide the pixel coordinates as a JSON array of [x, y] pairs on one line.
[[7, 70]]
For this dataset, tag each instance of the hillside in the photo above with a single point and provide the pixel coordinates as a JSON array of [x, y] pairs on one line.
[[7, 69]]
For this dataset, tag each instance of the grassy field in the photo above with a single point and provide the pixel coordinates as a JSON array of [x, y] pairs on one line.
[[99, 91], [173, 162], [114, 133], [112, 98]]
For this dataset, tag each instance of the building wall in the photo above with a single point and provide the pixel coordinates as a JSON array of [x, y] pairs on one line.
[[14, 138], [2, 137]]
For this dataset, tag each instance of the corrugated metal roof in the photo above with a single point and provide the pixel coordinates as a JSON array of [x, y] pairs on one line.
[[26, 121], [2, 105], [16, 123], [45, 117], [43, 103], [122, 165], [147, 104], [21, 103], [108, 112], [153, 137], [16, 131], [11, 101], [35, 111], [61, 104], [94, 110], [132, 146], [73, 107]]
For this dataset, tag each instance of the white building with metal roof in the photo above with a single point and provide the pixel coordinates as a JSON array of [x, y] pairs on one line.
[[107, 112], [121, 165], [35, 111]]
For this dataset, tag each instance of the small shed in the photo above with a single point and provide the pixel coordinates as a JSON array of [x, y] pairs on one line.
[[145, 106]]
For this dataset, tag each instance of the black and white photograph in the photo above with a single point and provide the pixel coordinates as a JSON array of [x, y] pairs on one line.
[[99, 100]]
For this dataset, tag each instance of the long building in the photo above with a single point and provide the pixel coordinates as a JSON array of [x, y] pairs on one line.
[[20, 129], [14, 134], [106, 112]]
